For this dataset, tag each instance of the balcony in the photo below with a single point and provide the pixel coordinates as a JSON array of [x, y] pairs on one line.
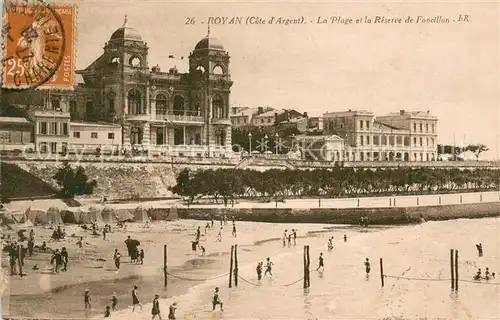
[[180, 118], [221, 121], [137, 117], [51, 114]]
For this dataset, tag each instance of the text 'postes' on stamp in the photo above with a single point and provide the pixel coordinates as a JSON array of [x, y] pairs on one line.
[[38, 45]]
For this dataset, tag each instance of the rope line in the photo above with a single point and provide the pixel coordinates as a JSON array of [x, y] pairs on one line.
[[198, 280], [440, 279], [259, 284]]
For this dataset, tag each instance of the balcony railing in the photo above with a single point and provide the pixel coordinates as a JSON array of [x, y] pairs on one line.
[[51, 113], [180, 118], [138, 117], [221, 121]]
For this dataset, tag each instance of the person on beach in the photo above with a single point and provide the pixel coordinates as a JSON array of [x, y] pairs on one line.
[[366, 222], [104, 232], [362, 221], [135, 299], [294, 236], [32, 235], [31, 246], [141, 256], [128, 243], [285, 237], [65, 259], [487, 274], [207, 226], [86, 299], [478, 275], [116, 257], [269, 267], [212, 223], [234, 229], [171, 311], [321, 262], [367, 266], [202, 251], [259, 271], [56, 261], [345, 237], [198, 234], [107, 312], [219, 236], [216, 300], [137, 255], [221, 221], [290, 238], [330, 244], [155, 310], [114, 301], [479, 248]]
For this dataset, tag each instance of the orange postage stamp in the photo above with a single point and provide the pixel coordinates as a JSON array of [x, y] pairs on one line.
[[38, 44]]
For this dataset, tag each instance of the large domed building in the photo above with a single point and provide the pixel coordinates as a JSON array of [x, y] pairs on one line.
[[178, 113]]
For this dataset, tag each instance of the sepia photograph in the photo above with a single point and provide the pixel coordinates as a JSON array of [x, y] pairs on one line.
[[249, 160]]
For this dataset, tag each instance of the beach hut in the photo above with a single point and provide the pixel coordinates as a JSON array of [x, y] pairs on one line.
[[54, 215], [140, 214], [71, 215], [124, 215], [95, 215], [108, 215], [37, 216], [7, 218], [85, 216], [19, 217], [173, 215]]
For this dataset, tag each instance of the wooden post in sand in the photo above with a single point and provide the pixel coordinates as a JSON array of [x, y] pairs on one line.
[[452, 269], [235, 265], [20, 260], [382, 272], [305, 268], [231, 268], [456, 270], [165, 275]]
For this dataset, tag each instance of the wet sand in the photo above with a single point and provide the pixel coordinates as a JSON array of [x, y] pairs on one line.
[[41, 293]]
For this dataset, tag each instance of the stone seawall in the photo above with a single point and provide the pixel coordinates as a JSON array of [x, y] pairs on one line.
[[119, 180], [380, 216]]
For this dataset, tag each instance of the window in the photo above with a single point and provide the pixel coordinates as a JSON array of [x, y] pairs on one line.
[[384, 140], [55, 101], [376, 140], [399, 140], [76, 134], [432, 126], [245, 120], [426, 142], [43, 147], [361, 124], [111, 135], [367, 124], [432, 142], [420, 127], [391, 140], [64, 128], [93, 135], [367, 140], [406, 141], [134, 102], [426, 127], [43, 128], [421, 142], [53, 128], [72, 107], [268, 120], [161, 104], [64, 147], [361, 141], [53, 147], [414, 141], [218, 108], [414, 126]]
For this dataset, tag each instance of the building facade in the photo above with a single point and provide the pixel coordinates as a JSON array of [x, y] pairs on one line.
[[16, 133], [180, 114], [401, 136]]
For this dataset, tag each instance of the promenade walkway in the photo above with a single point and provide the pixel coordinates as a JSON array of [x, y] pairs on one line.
[[365, 202]]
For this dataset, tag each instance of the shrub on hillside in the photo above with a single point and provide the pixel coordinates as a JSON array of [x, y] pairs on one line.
[[73, 181]]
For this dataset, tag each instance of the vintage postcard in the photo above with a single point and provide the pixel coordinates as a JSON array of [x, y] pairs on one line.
[[249, 160]]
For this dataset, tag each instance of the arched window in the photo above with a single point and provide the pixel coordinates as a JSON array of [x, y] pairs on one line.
[[218, 107], [134, 102], [218, 70], [178, 105], [135, 61], [55, 102], [72, 108], [220, 137], [161, 104]]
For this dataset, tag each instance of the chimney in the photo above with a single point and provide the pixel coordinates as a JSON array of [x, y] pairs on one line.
[[305, 114], [260, 110], [428, 111], [349, 110], [401, 112]]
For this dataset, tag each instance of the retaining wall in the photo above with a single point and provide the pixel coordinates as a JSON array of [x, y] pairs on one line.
[[380, 216]]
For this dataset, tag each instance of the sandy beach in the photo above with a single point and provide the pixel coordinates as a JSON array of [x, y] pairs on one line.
[[41, 293]]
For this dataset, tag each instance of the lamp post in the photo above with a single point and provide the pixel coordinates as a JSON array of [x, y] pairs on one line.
[[250, 143], [276, 142], [265, 142]]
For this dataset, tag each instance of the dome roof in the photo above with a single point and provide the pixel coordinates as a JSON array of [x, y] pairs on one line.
[[126, 33], [209, 43]]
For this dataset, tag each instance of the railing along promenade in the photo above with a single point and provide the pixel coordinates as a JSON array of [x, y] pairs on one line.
[[239, 162]]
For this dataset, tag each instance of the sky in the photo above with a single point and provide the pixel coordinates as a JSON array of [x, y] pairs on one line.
[[451, 69]]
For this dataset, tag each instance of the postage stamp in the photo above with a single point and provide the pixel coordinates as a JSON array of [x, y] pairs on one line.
[[38, 44]]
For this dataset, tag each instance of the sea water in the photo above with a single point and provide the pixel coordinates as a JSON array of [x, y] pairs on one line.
[[343, 291]]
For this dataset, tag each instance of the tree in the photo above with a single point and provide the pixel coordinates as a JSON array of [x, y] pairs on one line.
[[186, 186], [73, 181], [477, 149]]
